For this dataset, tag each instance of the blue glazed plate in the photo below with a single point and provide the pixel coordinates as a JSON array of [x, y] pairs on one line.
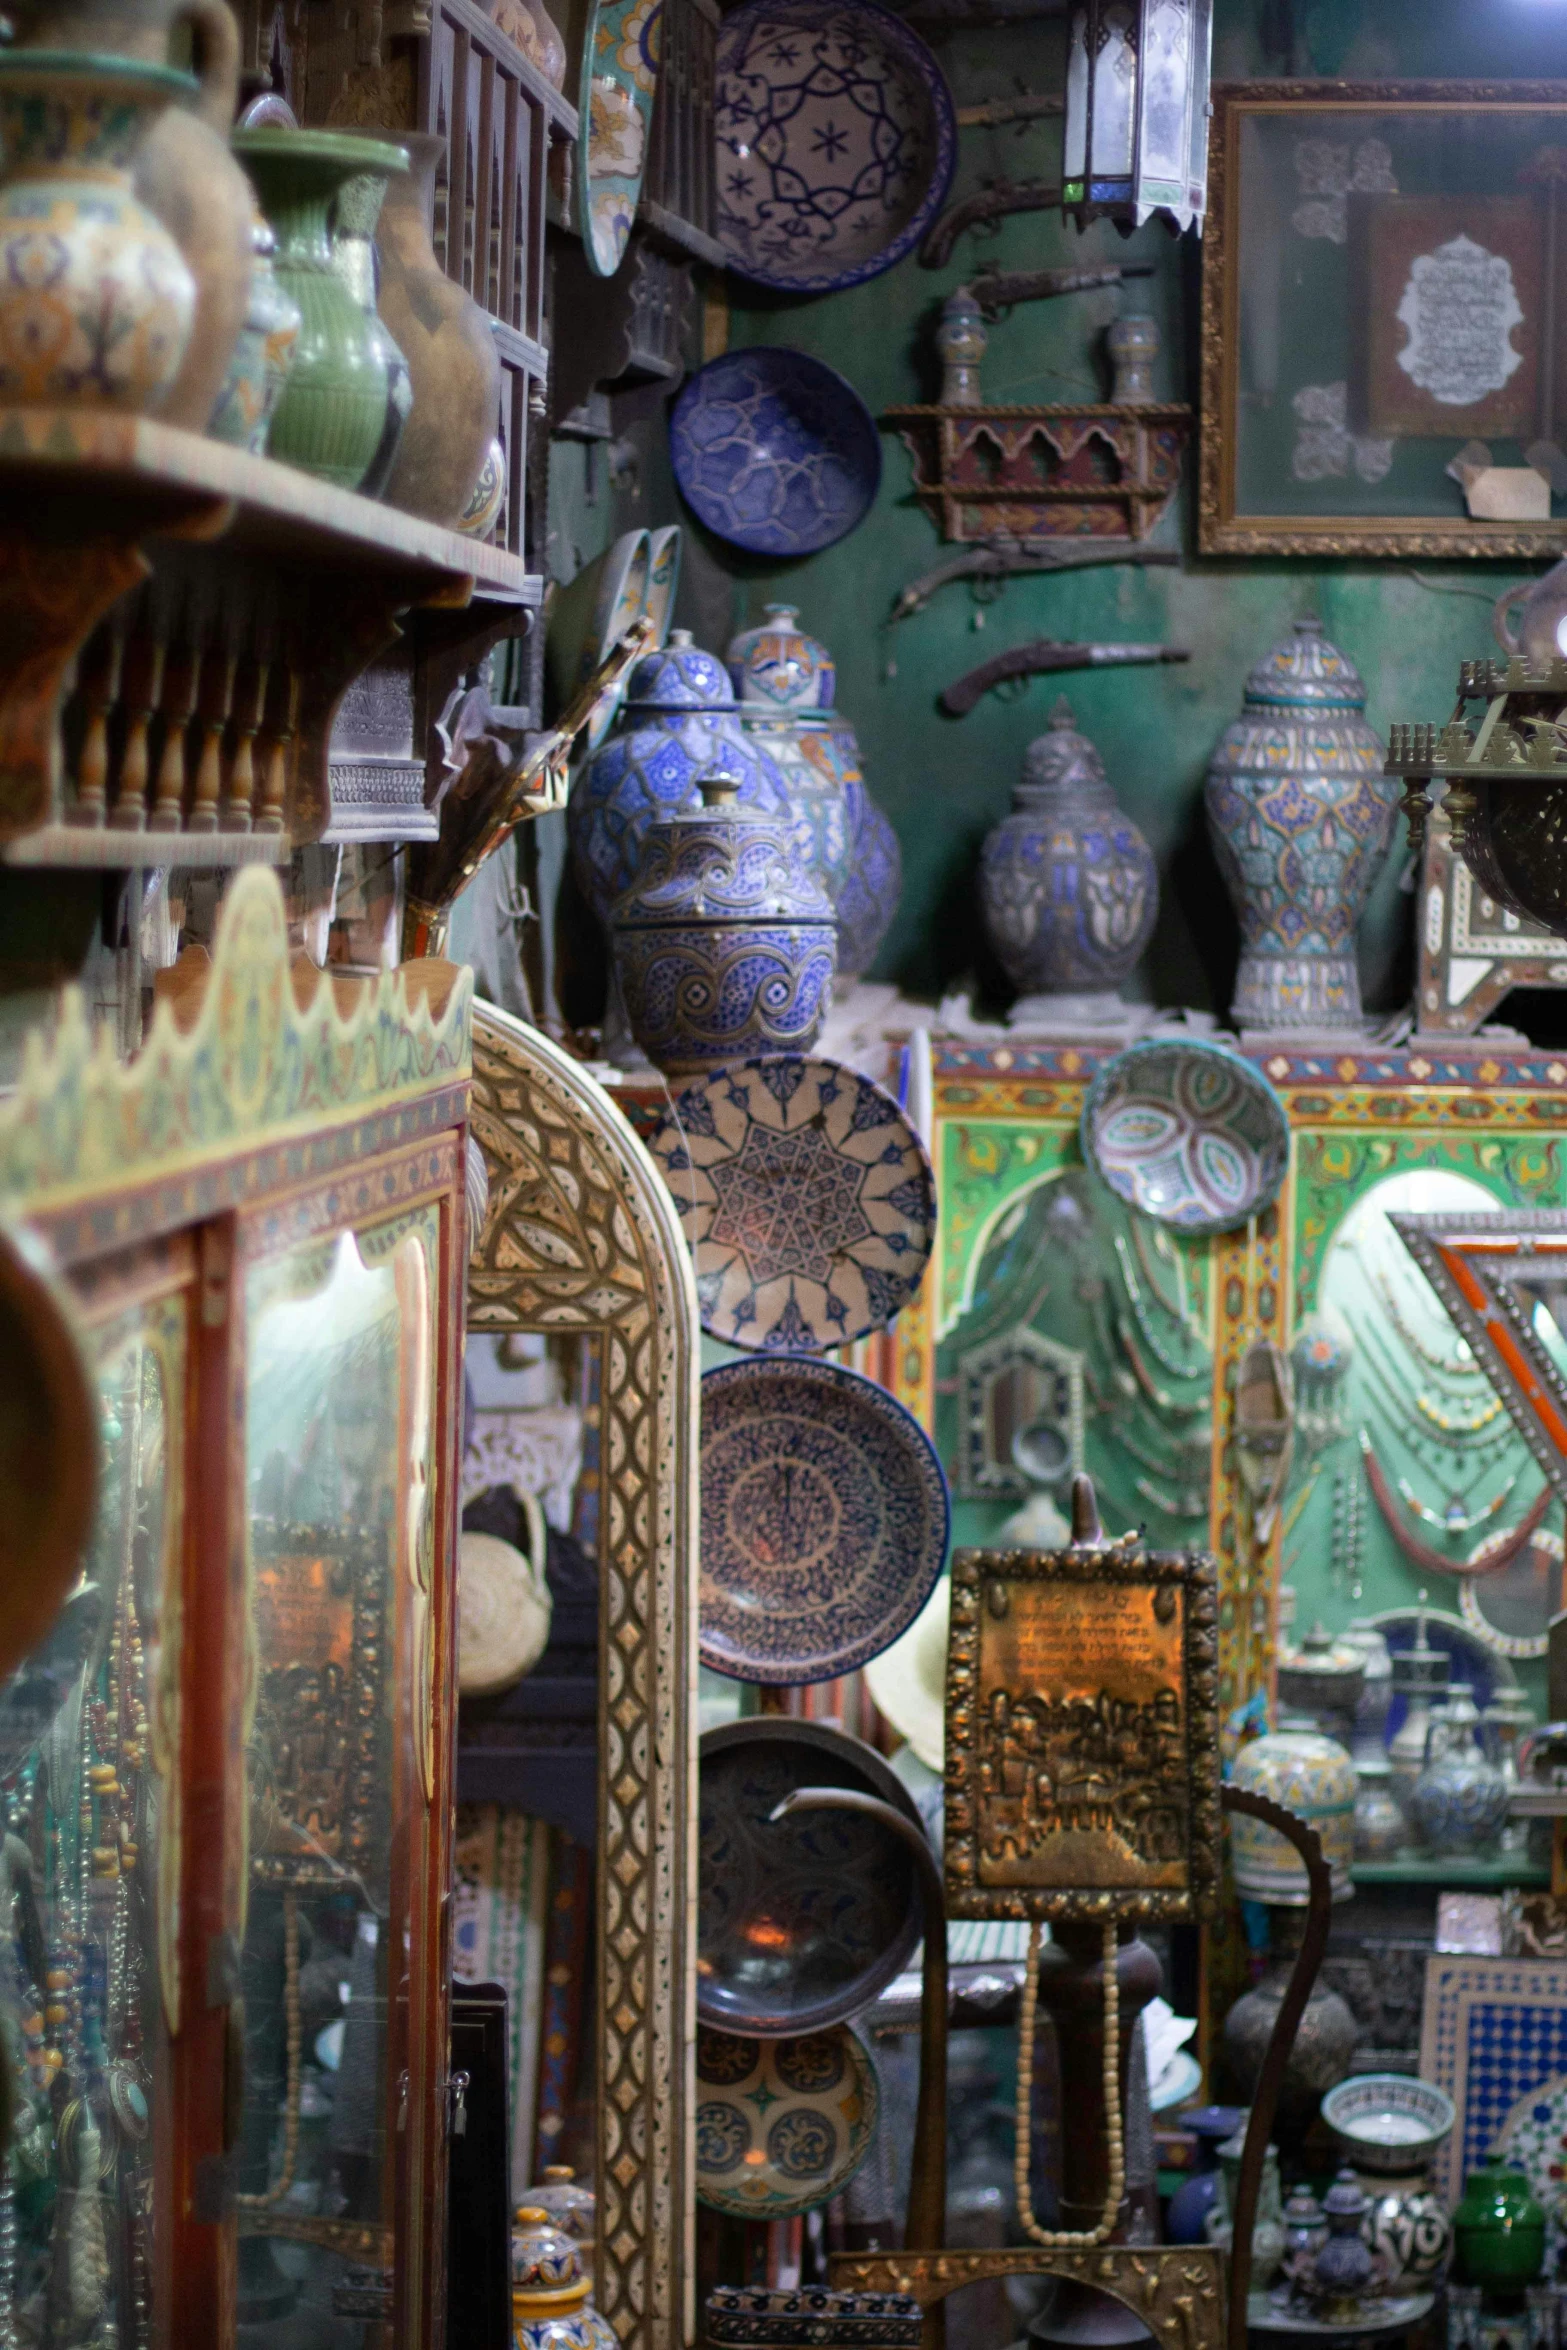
[[806, 1196], [774, 451], [781, 2125], [824, 1521], [836, 142], [1188, 1133], [800, 1922]]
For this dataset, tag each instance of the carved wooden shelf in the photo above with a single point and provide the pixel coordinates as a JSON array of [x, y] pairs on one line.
[[1095, 471], [206, 611]]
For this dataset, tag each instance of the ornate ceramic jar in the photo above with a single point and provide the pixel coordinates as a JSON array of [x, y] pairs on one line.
[[724, 945], [1459, 1802], [1311, 1776], [1381, 1831], [1300, 815], [1305, 2233], [821, 819], [1325, 2039], [1499, 2229], [568, 2205], [777, 667], [1067, 884], [1343, 2269], [96, 301], [1389, 2126], [263, 354], [678, 722], [549, 2293]]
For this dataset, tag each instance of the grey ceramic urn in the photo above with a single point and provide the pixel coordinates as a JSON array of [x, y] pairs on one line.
[[1300, 815], [725, 944], [1067, 884]]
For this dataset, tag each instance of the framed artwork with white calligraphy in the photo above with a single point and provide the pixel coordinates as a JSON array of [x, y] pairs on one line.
[[1384, 320]]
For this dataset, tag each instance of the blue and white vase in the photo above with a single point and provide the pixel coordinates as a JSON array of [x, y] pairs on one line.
[[1067, 884], [776, 666], [726, 944], [1300, 814], [784, 681], [678, 722]]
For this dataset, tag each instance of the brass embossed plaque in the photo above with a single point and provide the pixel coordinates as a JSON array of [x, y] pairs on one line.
[[1082, 1734]]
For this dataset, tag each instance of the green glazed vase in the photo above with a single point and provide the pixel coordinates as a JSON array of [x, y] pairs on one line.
[[333, 410], [354, 218], [1499, 2229], [96, 302]]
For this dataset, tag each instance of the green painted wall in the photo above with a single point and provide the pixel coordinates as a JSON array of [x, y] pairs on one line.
[[945, 782]]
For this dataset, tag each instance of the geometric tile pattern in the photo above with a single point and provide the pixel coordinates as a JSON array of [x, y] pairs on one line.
[[1492, 2029]]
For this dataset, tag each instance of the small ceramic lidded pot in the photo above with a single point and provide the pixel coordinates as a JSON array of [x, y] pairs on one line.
[[1342, 2273], [1300, 815], [724, 945], [1067, 884], [549, 2293], [96, 301], [678, 723], [776, 666], [784, 681]]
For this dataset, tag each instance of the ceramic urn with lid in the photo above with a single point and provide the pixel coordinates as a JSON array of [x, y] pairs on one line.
[[725, 944], [1300, 815], [1067, 884], [551, 2299]]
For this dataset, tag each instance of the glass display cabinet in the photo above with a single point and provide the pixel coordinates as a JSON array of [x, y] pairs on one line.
[[225, 1770]]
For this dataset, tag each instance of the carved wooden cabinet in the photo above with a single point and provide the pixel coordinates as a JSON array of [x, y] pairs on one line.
[[226, 1770]]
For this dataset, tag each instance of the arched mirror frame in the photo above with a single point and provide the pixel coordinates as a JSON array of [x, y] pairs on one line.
[[581, 1237]]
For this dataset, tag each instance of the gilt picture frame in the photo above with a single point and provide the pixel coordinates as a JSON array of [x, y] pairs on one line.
[[1380, 296]]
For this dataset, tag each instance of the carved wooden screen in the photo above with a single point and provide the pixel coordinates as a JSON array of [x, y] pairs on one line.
[[581, 1237]]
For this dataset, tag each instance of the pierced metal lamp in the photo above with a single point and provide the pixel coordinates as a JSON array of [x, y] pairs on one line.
[[1137, 108]]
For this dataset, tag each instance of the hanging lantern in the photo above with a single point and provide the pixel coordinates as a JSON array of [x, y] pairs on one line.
[[1137, 110]]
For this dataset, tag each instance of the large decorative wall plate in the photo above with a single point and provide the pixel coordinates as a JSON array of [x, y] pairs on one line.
[[800, 1921], [836, 142], [615, 106], [1189, 1133], [775, 451], [781, 2125], [824, 1521], [806, 1196]]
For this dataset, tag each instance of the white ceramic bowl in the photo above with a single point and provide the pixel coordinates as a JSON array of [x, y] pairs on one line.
[[1387, 2121]]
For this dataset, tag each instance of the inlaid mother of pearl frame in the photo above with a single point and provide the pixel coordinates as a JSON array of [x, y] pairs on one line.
[[581, 1237]]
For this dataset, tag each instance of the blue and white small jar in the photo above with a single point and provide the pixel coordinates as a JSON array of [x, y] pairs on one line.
[[725, 945], [678, 722], [777, 667]]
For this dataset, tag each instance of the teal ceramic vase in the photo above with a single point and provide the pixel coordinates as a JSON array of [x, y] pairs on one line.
[[1499, 2229], [355, 217], [332, 416], [96, 302]]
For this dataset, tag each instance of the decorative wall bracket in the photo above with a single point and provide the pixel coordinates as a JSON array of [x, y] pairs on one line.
[[1091, 472]]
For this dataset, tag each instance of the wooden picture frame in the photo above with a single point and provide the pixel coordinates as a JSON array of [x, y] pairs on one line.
[[581, 1237], [1319, 192]]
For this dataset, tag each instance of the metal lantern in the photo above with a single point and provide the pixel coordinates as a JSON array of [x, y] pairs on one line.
[[1506, 778], [1136, 139]]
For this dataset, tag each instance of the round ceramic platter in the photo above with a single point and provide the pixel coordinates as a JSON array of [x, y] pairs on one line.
[[774, 451], [1535, 2135], [615, 106], [1188, 1133], [824, 1521], [836, 142], [781, 2125], [806, 1197], [800, 1922]]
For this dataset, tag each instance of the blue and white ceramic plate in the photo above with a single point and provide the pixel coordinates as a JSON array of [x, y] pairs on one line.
[[806, 1196], [615, 105], [836, 142], [1188, 1133], [824, 1521], [781, 2125], [774, 451]]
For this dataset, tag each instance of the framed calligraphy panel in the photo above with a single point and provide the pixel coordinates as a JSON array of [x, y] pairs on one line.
[[1382, 296]]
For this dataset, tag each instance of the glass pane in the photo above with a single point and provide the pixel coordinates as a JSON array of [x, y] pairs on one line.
[[337, 1466], [1166, 91], [89, 1744], [1115, 80]]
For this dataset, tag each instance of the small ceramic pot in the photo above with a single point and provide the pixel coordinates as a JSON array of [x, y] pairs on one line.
[[568, 2205], [1068, 887], [724, 945], [355, 217], [1407, 2229], [1342, 2271], [776, 666], [445, 337], [549, 2293], [332, 416], [1459, 1802], [1305, 2233], [96, 302], [1498, 2229], [262, 356], [1381, 1831], [678, 723], [1311, 1776]]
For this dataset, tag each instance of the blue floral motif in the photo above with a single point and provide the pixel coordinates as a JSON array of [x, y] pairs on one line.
[[775, 451]]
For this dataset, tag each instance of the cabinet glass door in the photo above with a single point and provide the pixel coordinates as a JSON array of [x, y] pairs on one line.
[[89, 1880], [338, 1405]]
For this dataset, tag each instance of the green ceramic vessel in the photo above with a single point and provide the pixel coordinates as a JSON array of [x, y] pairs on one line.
[[333, 411], [1499, 2229]]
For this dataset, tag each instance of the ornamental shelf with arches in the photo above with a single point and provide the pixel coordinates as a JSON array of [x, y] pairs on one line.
[[1097, 470]]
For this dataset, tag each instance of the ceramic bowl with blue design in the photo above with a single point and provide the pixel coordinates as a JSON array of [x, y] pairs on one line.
[[1388, 2122], [1188, 1133], [775, 451], [836, 141]]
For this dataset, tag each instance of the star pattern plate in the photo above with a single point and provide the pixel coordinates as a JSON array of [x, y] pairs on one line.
[[781, 2125], [824, 1521], [807, 1198]]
